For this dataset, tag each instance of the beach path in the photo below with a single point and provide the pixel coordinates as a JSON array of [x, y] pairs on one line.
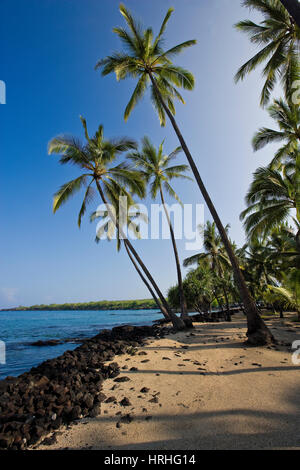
[[202, 389]]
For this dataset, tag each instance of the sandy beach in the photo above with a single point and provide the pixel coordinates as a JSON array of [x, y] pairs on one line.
[[198, 390]]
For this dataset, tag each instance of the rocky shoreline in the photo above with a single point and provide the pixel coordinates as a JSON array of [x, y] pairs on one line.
[[66, 388]]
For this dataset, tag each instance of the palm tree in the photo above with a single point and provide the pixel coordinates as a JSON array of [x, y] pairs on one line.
[[293, 8], [288, 294], [155, 169], [95, 158], [215, 254], [279, 38], [122, 213], [270, 200], [260, 263], [147, 61], [287, 116], [282, 244], [203, 284]]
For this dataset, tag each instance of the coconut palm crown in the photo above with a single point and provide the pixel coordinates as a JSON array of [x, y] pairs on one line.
[[287, 116], [279, 38], [144, 55], [95, 159], [271, 199], [215, 252], [127, 217], [154, 166]]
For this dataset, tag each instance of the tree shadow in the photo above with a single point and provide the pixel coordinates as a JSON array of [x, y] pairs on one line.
[[239, 428]]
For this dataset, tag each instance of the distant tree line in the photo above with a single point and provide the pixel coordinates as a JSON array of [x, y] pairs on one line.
[[101, 305]]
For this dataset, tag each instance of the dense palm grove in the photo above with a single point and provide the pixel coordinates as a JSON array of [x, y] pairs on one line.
[[270, 260], [266, 270]]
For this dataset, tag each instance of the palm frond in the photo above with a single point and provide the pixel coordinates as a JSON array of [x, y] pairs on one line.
[[88, 197], [136, 95], [68, 190]]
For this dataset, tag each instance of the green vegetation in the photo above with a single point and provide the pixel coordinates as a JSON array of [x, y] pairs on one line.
[[270, 260], [266, 269], [157, 169], [100, 305], [279, 36], [96, 161], [144, 58]]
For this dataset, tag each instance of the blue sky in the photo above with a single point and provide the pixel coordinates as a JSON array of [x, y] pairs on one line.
[[49, 49]]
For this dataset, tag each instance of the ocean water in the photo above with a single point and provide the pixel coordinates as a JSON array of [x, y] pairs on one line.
[[19, 329]]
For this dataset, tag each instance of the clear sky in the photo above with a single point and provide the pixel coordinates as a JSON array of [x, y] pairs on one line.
[[48, 52]]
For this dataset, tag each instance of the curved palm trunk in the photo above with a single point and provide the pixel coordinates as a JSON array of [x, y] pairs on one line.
[[160, 307], [293, 7], [177, 322], [188, 322], [258, 333]]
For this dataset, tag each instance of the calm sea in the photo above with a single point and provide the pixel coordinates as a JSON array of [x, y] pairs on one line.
[[19, 329]]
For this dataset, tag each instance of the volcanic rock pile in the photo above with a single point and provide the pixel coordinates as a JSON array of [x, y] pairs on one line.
[[63, 389]]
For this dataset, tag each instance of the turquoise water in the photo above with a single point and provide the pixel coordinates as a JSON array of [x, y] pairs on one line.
[[18, 329]]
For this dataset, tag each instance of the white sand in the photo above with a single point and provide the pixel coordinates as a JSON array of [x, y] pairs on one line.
[[217, 394]]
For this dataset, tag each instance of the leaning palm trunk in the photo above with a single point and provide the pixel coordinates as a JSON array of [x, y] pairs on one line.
[[188, 322], [177, 322], [160, 307], [257, 333]]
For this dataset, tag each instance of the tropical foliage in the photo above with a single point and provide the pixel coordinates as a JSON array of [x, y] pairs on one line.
[[278, 37], [158, 170], [267, 268], [96, 159], [271, 200], [144, 58], [287, 116]]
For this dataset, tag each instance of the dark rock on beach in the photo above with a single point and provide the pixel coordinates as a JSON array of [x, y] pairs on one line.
[[66, 388], [122, 379], [125, 402]]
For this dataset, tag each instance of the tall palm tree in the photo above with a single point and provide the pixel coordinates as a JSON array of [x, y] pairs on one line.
[[279, 38], [157, 170], [270, 200], [145, 59], [95, 159], [287, 116], [215, 254]]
